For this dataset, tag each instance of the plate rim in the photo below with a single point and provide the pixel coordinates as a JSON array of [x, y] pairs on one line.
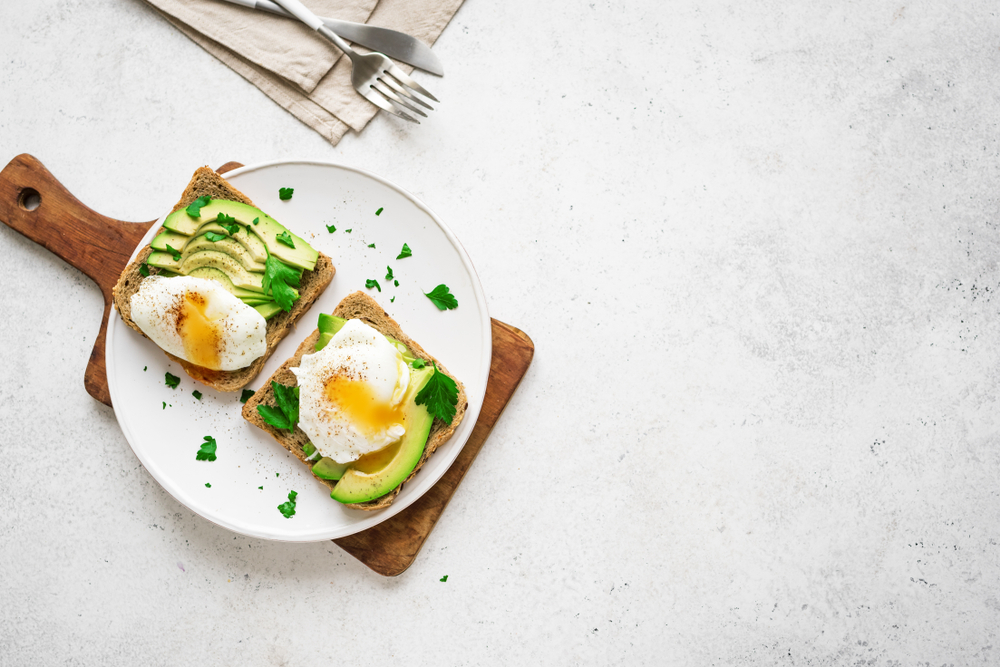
[[472, 412]]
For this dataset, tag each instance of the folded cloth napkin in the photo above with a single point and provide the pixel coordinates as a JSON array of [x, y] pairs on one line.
[[294, 66]]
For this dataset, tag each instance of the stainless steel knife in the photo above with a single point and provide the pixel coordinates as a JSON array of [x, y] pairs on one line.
[[392, 43]]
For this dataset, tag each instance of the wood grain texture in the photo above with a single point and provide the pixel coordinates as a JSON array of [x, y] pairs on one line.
[[100, 247]]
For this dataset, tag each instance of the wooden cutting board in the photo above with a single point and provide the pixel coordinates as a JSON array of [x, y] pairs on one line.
[[35, 204]]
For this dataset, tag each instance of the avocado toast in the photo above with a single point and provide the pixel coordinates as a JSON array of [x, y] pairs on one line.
[[360, 306], [235, 259]]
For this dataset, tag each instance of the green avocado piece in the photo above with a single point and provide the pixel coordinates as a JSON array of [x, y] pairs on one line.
[[268, 309], [168, 238], [239, 276], [210, 273], [303, 255], [378, 473], [327, 468], [330, 323], [226, 245], [244, 236]]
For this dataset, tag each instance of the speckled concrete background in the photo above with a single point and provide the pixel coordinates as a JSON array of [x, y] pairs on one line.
[[756, 245]]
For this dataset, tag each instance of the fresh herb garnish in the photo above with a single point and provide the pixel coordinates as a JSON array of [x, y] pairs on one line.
[[284, 194], [392, 300], [144, 368], [405, 252], [442, 297], [277, 474], [171, 380], [288, 509], [444, 578], [279, 279], [164, 405], [440, 395], [388, 273], [261, 488], [370, 283], [228, 223], [214, 237], [197, 394], [331, 228], [371, 245], [208, 485], [396, 283], [286, 415], [256, 220], [379, 211], [144, 269], [246, 395], [176, 254], [194, 208], [207, 450], [286, 238], [348, 230], [418, 363]]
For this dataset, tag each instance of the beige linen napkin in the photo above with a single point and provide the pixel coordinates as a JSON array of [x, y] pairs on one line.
[[292, 65]]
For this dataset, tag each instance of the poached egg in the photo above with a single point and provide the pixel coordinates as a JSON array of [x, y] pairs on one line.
[[199, 321], [350, 393]]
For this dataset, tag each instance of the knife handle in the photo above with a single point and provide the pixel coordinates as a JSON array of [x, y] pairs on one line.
[[302, 13]]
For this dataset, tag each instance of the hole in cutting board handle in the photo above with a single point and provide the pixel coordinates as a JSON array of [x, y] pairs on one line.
[[29, 199]]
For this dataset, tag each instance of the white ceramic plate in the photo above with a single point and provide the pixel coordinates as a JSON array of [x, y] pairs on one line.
[[167, 439]]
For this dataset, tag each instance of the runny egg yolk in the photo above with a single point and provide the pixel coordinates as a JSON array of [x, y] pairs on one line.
[[360, 406], [198, 332]]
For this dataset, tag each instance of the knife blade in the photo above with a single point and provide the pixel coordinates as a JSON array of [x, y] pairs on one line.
[[392, 43]]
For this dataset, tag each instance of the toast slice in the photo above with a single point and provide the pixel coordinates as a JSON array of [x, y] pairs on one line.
[[207, 182], [354, 306]]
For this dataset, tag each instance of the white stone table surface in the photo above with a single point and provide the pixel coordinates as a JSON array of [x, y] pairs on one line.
[[756, 245]]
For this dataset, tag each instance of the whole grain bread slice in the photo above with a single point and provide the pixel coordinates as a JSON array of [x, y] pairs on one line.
[[354, 306], [207, 182]]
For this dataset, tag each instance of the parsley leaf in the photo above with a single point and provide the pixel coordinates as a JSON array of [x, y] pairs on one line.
[[440, 395], [371, 245], [442, 297], [284, 194], [208, 485], [214, 236], [288, 509], [331, 228], [405, 252], [207, 450], [246, 395], [444, 578], [392, 300], [279, 278], [286, 238], [256, 220], [144, 269], [373, 283], [396, 283], [144, 368], [286, 415], [228, 223], [418, 363], [261, 488], [379, 211], [348, 230], [176, 254], [197, 394], [194, 208], [388, 273], [164, 405], [172, 380]]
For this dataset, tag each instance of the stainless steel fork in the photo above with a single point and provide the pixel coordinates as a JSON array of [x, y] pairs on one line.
[[374, 76]]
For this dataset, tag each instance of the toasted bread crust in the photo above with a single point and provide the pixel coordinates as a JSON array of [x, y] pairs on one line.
[[354, 306], [207, 182]]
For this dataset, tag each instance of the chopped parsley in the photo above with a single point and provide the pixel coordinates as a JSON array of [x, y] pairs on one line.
[[286, 415], [144, 368], [176, 254], [228, 223], [371, 245], [171, 380], [144, 269], [396, 283], [261, 488], [444, 578], [370, 283], [194, 208], [207, 450], [284, 194], [418, 363], [405, 252], [288, 509], [388, 273], [164, 405], [392, 300], [286, 238], [440, 395], [379, 211], [348, 230], [277, 474], [197, 394], [331, 228], [442, 297], [256, 220], [214, 237], [246, 395], [208, 485], [279, 279]]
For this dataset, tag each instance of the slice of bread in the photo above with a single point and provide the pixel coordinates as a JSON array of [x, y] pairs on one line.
[[354, 306], [207, 182]]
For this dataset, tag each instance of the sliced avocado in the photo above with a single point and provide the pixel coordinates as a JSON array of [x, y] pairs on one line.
[[246, 238], [378, 473], [327, 468], [239, 276], [168, 238], [268, 310], [303, 255], [210, 273], [324, 338], [226, 245], [330, 323]]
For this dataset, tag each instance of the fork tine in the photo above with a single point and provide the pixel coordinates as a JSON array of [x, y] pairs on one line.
[[381, 103], [402, 101], [405, 80], [389, 81]]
